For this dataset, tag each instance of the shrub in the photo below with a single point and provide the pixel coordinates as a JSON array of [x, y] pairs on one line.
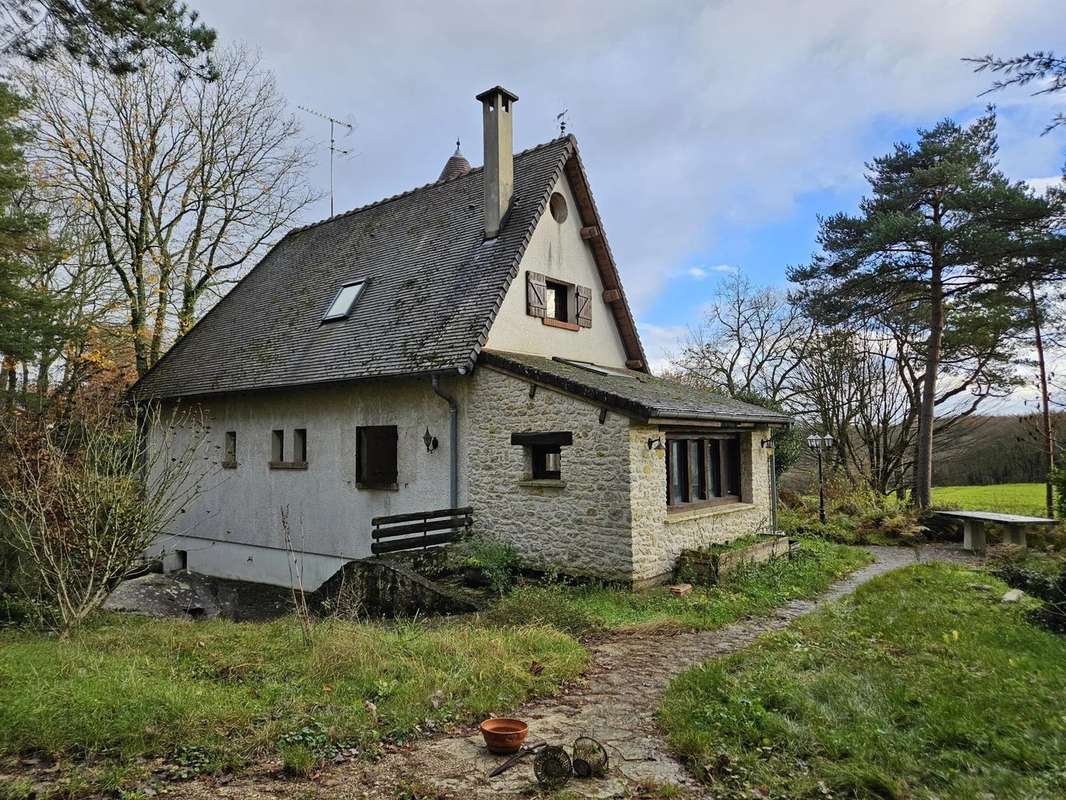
[[1041, 577], [79, 512], [855, 515], [498, 560]]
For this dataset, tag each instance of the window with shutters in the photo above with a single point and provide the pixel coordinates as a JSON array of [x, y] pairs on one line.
[[557, 303], [702, 470], [376, 457]]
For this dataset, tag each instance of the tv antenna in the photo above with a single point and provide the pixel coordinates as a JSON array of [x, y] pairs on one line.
[[333, 123]]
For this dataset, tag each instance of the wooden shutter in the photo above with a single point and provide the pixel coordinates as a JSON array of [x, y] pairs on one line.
[[535, 294], [584, 306]]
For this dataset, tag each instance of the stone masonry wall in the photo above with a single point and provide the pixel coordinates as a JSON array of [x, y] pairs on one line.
[[580, 524], [659, 538]]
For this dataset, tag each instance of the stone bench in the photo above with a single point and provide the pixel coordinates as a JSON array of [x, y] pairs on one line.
[[973, 527]]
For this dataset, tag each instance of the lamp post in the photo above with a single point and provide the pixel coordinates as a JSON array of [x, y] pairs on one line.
[[818, 444]]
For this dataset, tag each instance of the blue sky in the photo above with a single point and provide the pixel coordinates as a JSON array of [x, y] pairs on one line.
[[713, 132]]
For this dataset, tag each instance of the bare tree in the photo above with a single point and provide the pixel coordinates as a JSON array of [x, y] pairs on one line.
[[850, 386], [750, 343], [82, 505], [184, 181]]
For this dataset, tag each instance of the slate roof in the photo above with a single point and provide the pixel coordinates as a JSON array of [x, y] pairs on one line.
[[433, 287], [634, 392]]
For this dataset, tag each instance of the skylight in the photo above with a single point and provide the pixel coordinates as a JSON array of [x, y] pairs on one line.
[[341, 306]]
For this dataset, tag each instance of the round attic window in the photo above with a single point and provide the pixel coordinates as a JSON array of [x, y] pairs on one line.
[[557, 204]]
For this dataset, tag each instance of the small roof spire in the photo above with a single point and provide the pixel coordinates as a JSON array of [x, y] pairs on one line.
[[456, 166]]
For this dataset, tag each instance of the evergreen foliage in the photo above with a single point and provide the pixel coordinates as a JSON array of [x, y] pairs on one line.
[[26, 314], [937, 255], [108, 34]]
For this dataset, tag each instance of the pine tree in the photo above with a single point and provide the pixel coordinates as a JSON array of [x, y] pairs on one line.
[[108, 34], [942, 244], [26, 316]]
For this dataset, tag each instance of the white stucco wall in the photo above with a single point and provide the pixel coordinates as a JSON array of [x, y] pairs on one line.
[[606, 517], [558, 251], [658, 537], [579, 528], [233, 529]]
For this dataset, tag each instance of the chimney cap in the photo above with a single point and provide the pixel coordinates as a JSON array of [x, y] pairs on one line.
[[488, 94]]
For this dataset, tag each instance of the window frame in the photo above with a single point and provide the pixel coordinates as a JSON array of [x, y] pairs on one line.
[[299, 445], [229, 450], [366, 478], [328, 317], [558, 289], [539, 460], [720, 457]]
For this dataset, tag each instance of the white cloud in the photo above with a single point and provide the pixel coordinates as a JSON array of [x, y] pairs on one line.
[[662, 343], [1041, 185], [702, 273], [691, 116]]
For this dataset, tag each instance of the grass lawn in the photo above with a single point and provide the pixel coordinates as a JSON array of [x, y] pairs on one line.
[[1008, 498], [215, 696], [920, 686], [212, 696], [588, 609]]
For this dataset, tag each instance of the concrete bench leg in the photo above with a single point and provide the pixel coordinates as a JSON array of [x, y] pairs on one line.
[[973, 536], [1015, 536]]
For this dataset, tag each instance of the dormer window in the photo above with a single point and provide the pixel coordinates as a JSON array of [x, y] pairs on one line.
[[342, 304]]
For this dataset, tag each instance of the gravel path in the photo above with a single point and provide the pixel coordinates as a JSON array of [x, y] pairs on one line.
[[616, 703]]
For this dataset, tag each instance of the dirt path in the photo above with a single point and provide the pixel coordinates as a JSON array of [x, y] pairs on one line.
[[616, 703]]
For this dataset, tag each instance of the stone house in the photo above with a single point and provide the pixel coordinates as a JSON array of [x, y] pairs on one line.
[[465, 343]]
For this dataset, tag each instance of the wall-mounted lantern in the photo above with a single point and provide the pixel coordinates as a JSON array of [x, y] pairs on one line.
[[656, 443], [431, 441]]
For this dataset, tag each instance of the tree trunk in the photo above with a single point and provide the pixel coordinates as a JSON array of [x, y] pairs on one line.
[[1046, 433], [923, 464]]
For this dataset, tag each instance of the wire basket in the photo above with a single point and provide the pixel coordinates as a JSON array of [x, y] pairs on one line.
[[590, 758]]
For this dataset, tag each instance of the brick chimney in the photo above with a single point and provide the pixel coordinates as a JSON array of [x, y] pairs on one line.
[[497, 104]]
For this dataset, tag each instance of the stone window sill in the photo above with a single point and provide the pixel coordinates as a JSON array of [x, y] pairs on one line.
[[707, 511], [543, 483], [288, 465], [380, 487]]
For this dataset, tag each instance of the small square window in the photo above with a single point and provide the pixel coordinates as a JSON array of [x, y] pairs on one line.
[[229, 456], [342, 304], [547, 462], [299, 445], [375, 465], [557, 301], [277, 446]]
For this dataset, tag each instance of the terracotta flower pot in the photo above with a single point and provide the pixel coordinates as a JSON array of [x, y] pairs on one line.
[[504, 736]]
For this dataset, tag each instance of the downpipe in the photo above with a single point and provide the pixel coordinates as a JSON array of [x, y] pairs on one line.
[[453, 441]]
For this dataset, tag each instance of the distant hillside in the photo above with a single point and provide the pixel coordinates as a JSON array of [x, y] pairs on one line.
[[990, 449]]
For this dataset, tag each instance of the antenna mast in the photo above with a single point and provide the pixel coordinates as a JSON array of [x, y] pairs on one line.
[[333, 122]]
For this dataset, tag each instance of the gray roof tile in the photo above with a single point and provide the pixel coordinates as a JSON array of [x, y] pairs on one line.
[[635, 392], [433, 288]]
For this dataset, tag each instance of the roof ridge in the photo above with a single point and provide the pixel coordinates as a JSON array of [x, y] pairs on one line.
[[408, 192]]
